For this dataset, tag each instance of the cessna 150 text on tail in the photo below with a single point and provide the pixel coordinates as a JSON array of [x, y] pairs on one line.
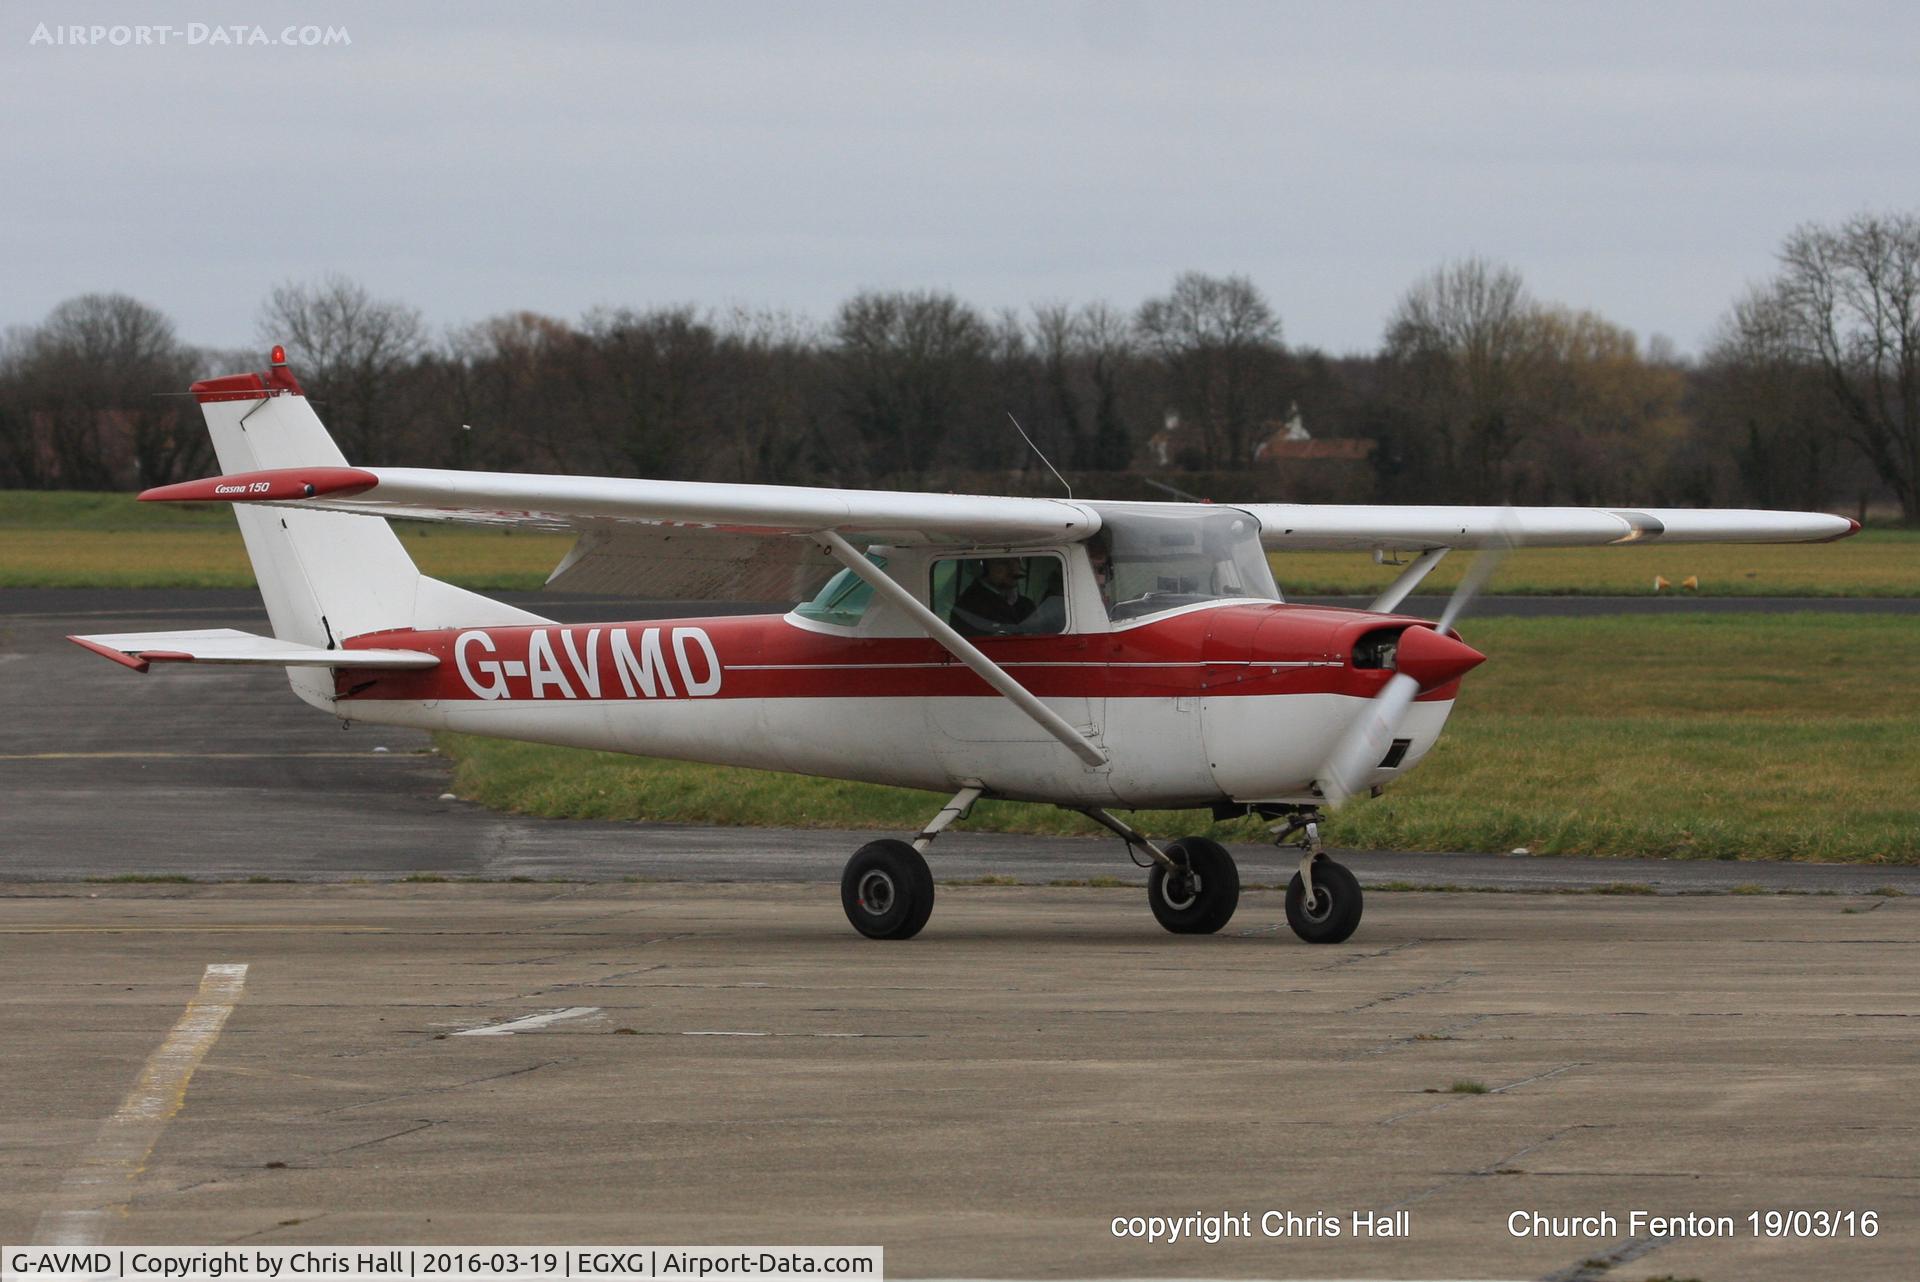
[[1090, 655]]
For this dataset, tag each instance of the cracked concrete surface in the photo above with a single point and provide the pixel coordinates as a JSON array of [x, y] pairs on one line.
[[985, 1099]]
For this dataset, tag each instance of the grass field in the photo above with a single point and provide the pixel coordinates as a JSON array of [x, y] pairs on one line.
[[80, 540], [1747, 736], [62, 539], [1873, 563]]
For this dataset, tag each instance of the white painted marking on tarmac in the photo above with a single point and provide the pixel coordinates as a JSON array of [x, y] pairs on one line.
[[721, 1032], [101, 1182], [529, 1022]]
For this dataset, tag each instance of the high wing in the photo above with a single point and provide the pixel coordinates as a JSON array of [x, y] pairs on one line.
[[581, 503], [663, 539], [705, 540], [1386, 528], [603, 505]]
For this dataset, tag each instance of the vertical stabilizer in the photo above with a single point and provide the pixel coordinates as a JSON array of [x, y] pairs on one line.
[[324, 576]]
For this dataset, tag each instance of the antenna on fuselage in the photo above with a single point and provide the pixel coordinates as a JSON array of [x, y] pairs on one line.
[[1036, 449], [1178, 493]]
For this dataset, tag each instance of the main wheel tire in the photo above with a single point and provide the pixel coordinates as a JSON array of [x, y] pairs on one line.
[[1335, 914], [1200, 899], [887, 890]]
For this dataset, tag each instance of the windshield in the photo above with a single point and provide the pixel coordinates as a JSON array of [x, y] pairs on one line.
[[844, 600], [1163, 557]]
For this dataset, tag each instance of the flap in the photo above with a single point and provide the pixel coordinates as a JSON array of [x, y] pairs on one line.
[[651, 563]]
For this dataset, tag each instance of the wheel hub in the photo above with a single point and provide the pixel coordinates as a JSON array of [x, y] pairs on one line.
[[1181, 889], [876, 893]]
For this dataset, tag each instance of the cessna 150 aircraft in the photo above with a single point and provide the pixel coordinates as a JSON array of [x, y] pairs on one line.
[[1090, 655]]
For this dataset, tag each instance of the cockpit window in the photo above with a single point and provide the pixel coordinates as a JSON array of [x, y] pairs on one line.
[[1001, 596], [1162, 559], [844, 600]]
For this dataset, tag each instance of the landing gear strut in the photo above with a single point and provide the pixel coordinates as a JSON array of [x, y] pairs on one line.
[[1323, 899], [1193, 885]]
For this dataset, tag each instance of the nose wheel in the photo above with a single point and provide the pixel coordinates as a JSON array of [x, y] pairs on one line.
[[1323, 899], [1329, 912]]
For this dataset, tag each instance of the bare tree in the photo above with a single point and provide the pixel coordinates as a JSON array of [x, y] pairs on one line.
[[773, 418], [512, 381], [1459, 344], [1852, 294], [650, 377], [1764, 405], [1219, 341], [909, 368], [1059, 420], [21, 463], [348, 346], [1104, 338], [1602, 421], [95, 374]]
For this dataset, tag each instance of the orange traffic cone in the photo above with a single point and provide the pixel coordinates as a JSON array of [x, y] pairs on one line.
[[1660, 583], [1691, 583]]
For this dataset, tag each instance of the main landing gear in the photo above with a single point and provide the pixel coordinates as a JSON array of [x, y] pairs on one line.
[[1193, 885], [887, 888]]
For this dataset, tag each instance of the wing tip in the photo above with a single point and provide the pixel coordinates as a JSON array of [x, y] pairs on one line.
[[1853, 528], [266, 487]]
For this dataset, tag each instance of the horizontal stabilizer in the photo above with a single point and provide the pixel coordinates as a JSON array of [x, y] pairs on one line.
[[225, 645]]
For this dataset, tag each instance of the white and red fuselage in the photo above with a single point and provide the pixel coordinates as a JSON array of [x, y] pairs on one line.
[[1222, 701]]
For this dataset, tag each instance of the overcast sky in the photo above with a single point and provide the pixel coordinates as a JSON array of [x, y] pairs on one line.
[[1644, 161]]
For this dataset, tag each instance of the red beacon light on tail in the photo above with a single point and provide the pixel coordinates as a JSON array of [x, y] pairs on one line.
[[280, 379]]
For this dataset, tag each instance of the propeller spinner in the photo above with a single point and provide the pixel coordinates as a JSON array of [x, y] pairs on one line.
[[1425, 659]]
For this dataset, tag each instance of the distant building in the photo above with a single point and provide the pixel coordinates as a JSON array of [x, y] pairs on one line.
[[1176, 445]]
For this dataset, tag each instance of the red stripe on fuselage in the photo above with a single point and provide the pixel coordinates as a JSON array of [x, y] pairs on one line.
[[1213, 652]]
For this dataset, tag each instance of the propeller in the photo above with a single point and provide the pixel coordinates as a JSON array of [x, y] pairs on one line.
[[1425, 658]]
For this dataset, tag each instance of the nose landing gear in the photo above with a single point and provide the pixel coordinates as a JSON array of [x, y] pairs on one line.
[[1323, 899]]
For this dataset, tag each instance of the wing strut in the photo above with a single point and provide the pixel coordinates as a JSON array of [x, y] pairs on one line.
[[1402, 588], [964, 650]]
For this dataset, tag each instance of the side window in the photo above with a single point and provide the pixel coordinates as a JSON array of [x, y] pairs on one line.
[[844, 600], [1001, 596]]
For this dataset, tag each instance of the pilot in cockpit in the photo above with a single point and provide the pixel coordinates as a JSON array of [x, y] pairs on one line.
[[993, 603]]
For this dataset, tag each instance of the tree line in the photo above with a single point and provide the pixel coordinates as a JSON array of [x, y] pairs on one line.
[[1808, 394]]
